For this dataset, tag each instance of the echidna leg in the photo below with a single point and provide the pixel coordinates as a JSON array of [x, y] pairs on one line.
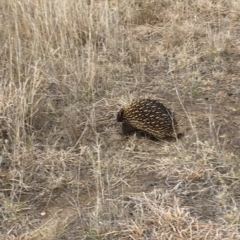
[[128, 129]]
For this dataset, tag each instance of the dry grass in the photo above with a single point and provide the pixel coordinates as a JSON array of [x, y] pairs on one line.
[[66, 68]]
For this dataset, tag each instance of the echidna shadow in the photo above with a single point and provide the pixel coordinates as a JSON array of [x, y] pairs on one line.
[[150, 118]]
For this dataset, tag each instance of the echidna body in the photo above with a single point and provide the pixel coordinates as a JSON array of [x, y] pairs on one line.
[[149, 116]]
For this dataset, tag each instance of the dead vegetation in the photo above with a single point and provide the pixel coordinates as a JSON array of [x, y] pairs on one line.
[[66, 69]]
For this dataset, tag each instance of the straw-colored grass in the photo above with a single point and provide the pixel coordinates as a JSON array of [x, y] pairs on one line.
[[66, 68]]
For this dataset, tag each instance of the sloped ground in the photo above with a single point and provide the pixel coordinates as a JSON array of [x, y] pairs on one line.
[[66, 170]]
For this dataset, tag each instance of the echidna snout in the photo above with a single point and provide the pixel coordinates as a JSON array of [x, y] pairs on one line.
[[120, 115]]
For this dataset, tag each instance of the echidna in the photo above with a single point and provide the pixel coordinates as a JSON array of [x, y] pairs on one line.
[[149, 116]]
